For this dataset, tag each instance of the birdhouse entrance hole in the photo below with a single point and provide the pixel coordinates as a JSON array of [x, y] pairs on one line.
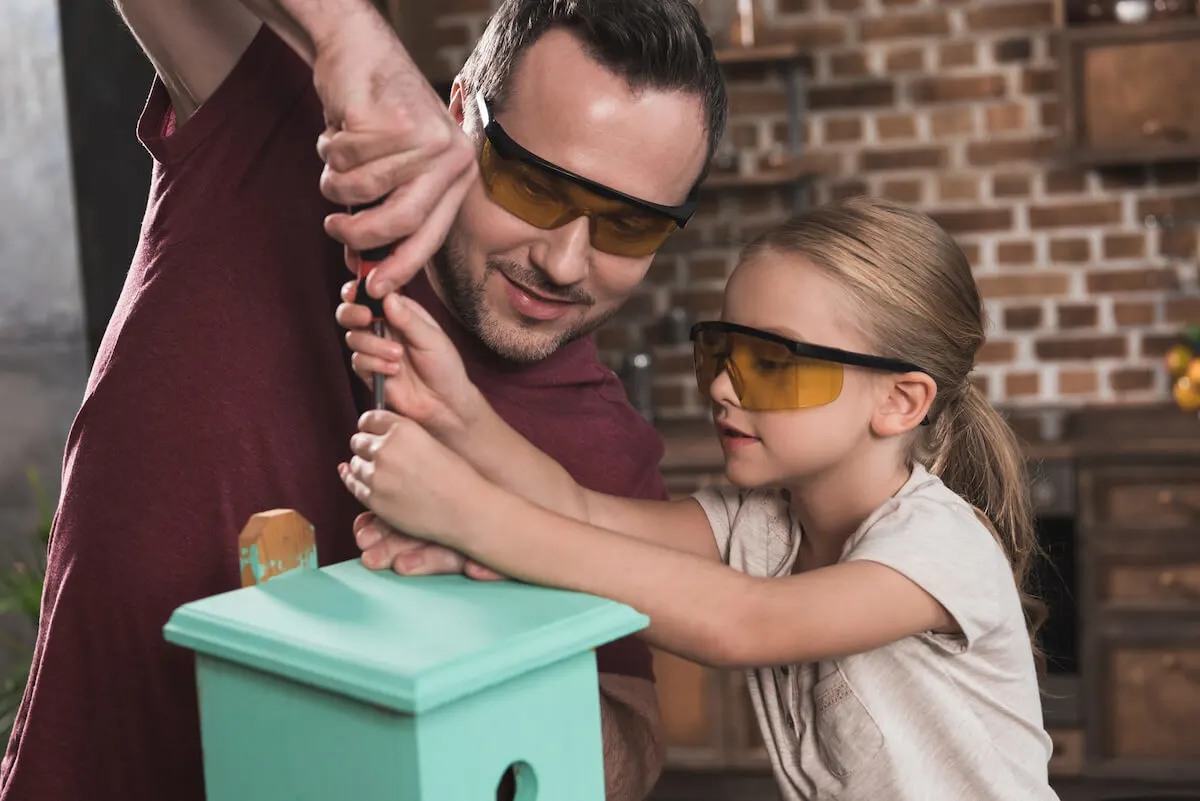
[[521, 776]]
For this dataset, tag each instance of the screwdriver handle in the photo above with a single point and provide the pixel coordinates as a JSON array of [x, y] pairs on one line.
[[368, 260]]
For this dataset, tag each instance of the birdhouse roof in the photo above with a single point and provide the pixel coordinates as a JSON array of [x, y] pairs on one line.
[[405, 643]]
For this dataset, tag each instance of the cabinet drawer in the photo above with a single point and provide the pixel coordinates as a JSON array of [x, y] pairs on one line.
[[1067, 758], [1158, 584], [686, 697], [1154, 702], [1140, 499], [1130, 91]]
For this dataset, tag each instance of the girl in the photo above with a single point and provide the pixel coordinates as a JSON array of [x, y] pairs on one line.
[[866, 565]]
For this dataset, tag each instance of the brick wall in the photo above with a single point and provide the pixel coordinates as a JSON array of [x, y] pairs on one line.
[[951, 107]]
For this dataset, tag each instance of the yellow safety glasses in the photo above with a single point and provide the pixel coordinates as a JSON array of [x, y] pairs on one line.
[[771, 373], [547, 196]]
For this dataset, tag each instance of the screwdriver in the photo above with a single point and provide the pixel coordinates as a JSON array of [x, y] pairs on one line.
[[368, 260]]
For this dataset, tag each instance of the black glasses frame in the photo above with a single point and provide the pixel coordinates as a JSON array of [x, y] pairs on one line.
[[507, 148], [805, 350]]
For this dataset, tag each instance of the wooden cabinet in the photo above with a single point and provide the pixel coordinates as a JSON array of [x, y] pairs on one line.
[[1129, 91]]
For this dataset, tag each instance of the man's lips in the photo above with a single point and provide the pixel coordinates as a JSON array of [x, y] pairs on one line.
[[533, 304]]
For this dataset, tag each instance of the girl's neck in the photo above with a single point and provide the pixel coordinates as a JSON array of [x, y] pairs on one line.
[[831, 506]]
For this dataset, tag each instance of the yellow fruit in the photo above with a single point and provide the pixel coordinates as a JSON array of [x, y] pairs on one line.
[[1187, 395], [1193, 372], [1178, 359]]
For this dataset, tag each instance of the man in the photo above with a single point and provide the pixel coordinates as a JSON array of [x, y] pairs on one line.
[[221, 388]]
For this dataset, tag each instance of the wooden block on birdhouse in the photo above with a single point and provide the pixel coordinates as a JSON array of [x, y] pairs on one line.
[[274, 542]]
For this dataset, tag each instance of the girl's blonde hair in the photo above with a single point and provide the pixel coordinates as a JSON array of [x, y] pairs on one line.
[[919, 302]]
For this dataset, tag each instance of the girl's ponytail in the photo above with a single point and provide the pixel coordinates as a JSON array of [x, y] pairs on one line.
[[977, 455]]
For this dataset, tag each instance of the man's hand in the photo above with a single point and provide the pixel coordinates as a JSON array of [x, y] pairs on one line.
[[384, 547], [388, 134]]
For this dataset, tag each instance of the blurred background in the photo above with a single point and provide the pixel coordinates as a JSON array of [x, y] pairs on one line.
[[1058, 141]]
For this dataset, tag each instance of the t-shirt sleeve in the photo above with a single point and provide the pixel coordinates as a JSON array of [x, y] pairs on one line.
[[263, 85], [720, 504], [948, 553]]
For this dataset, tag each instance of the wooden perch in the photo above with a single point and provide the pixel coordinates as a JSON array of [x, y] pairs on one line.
[[274, 542]]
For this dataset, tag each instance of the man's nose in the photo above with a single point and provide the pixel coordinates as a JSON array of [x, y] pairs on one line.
[[564, 252]]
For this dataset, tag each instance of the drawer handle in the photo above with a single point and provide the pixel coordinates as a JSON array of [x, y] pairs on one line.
[[1168, 498], [1171, 133], [1187, 585], [1172, 663]]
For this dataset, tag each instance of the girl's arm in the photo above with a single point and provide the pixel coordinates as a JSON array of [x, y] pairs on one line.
[[700, 610]]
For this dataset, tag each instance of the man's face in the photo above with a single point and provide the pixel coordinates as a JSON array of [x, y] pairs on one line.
[[526, 291]]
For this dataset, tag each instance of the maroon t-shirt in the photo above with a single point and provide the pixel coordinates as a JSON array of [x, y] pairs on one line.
[[222, 389]]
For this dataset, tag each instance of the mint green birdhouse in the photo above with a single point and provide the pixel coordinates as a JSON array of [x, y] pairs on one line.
[[345, 683]]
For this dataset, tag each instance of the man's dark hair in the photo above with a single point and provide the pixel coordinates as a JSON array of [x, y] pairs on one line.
[[652, 44]]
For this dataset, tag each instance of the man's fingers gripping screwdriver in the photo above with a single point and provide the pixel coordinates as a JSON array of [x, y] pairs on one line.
[[368, 260]]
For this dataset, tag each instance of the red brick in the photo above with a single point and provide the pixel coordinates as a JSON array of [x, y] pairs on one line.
[[848, 65], [1070, 250], [1143, 279], [896, 126], [1180, 243], [1074, 215], [1050, 114], [700, 301], [464, 7], [1002, 151], [1134, 313], [1006, 117], [1180, 205], [1004, 186], [1039, 81], [996, 351], [707, 268], [1184, 311], [1131, 379], [903, 159], [957, 88], [1022, 285], [1155, 345], [792, 6], [450, 35], [843, 129], [905, 191], [957, 54], [981, 383], [1078, 382], [809, 35], [958, 187], [1022, 385], [863, 94], [1015, 253], [974, 220], [844, 6], [1077, 348], [1023, 318], [845, 189], [994, 17], [1007, 51], [756, 100], [1124, 246], [668, 396], [905, 59], [1078, 315], [950, 121], [1061, 181], [903, 26]]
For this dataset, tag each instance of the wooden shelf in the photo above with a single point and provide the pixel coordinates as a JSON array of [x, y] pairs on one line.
[[797, 170], [761, 54], [1116, 32]]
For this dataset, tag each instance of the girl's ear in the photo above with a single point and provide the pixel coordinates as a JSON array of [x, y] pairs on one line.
[[905, 402]]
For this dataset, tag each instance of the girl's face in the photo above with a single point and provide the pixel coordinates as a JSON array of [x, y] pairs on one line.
[[787, 295]]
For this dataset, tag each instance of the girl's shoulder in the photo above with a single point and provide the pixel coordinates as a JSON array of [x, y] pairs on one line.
[[753, 528]]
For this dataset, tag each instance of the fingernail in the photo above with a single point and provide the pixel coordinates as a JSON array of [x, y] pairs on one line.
[[367, 537]]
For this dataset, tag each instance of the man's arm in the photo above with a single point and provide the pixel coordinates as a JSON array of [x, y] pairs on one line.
[[634, 741], [388, 133]]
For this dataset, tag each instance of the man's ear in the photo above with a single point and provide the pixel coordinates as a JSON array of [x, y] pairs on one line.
[[905, 402], [457, 99]]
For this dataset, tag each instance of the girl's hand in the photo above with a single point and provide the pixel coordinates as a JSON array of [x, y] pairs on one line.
[[410, 480], [427, 381]]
